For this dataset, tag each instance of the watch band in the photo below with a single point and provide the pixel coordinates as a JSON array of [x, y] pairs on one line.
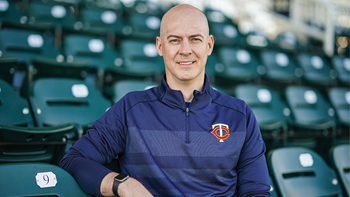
[[115, 188], [117, 180]]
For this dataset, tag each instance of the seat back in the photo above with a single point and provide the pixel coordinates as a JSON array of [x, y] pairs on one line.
[[10, 15], [288, 42], [213, 66], [58, 101], [14, 110], [340, 100], [36, 144], [239, 64], [14, 73], [340, 156], [101, 21], [302, 172], [317, 70], [342, 66], [280, 67], [224, 31], [269, 109], [25, 45], [256, 40], [46, 15], [309, 108], [141, 58], [37, 179], [144, 26], [88, 48], [121, 88]]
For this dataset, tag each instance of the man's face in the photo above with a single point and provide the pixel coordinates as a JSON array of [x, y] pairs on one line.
[[185, 43]]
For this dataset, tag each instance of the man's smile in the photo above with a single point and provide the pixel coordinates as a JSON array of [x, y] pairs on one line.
[[186, 62]]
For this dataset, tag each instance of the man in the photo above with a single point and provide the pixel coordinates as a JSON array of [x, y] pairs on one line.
[[181, 138]]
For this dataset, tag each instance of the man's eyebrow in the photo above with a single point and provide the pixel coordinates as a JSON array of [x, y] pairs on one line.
[[173, 36], [191, 36], [197, 35]]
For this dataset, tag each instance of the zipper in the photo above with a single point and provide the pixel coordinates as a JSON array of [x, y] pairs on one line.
[[187, 125]]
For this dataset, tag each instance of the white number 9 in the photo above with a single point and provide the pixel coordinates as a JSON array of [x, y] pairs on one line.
[[46, 179]]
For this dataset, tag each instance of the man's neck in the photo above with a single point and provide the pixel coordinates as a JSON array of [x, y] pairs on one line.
[[186, 87]]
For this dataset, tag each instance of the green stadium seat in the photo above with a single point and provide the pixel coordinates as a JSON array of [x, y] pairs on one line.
[[273, 191], [116, 5], [36, 144], [37, 179], [143, 26], [222, 28], [102, 21], [58, 101], [288, 42], [313, 119], [302, 172], [316, 70], [26, 44], [256, 40], [238, 64], [270, 111], [47, 68], [14, 109], [309, 108], [212, 66], [97, 53], [141, 58], [280, 67], [14, 73], [340, 100], [40, 55], [11, 14], [342, 66], [50, 15], [121, 88], [340, 157], [144, 7]]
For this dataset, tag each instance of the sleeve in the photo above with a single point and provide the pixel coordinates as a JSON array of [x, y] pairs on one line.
[[102, 143], [252, 172]]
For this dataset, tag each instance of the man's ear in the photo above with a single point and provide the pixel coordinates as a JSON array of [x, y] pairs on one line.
[[210, 44], [159, 46]]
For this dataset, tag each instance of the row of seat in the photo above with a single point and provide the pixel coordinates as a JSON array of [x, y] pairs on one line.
[[294, 171], [303, 118], [140, 20], [90, 58], [136, 19]]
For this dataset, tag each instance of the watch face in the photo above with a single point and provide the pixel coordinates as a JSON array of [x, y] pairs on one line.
[[121, 177]]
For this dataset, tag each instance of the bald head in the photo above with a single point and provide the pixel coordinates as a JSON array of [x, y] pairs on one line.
[[181, 14]]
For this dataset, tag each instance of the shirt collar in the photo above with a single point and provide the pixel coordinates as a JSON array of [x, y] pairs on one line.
[[175, 98]]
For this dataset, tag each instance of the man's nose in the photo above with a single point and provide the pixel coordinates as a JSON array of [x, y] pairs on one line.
[[185, 48]]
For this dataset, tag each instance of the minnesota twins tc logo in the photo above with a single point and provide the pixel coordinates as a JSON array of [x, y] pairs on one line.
[[221, 128]]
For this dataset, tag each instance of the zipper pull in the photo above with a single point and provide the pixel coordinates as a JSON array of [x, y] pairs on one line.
[[187, 110]]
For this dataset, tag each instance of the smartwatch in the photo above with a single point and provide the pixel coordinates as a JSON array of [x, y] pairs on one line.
[[117, 180]]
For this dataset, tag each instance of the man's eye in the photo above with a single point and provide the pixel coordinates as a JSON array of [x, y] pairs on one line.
[[174, 41], [196, 39]]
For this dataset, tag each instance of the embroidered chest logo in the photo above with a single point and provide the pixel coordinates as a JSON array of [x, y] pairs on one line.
[[221, 131]]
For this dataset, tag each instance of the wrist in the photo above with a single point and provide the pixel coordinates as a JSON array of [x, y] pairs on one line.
[[118, 181]]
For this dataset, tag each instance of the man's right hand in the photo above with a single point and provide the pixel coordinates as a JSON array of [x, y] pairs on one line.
[[129, 188], [132, 188]]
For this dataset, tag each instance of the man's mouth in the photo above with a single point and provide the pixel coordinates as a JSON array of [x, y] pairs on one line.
[[186, 63]]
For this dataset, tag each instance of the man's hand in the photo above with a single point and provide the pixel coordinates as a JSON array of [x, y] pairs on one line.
[[129, 188], [132, 188]]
